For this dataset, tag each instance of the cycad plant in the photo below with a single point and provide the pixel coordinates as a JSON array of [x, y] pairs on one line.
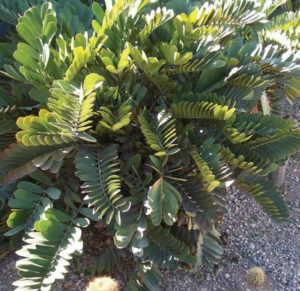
[[140, 117]]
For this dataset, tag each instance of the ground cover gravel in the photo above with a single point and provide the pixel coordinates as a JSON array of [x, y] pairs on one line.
[[253, 240]]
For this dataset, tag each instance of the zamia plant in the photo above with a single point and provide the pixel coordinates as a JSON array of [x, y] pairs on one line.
[[140, 117]]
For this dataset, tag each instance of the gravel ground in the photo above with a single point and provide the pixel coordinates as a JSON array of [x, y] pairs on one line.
[[253, 240]]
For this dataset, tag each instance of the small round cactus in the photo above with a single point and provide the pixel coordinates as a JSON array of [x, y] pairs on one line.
[[103, 284], [256, 276]]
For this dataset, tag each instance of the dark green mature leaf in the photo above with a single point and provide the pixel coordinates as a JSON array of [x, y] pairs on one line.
[[209, 249], [163, 201], [146, 278], [162, 237], [18, 161], [98, 169], [265, 193], [278, 146], [107, 260]]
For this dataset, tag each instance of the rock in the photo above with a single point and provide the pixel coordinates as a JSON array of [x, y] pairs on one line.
[[251, 246]]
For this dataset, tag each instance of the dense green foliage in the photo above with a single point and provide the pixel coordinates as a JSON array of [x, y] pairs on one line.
[[139, 114]]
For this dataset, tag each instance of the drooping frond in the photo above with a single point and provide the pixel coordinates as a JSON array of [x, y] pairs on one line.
[[18, 160], [262, 124], [48, 250], [203, 198], [272, 59], [238, 161], [250, 155], [265, 193], [131, 229], [247, 12], [292, 89], [196, 65], [278, 146]]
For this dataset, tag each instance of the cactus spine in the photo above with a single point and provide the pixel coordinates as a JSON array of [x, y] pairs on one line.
[[103, 284], [256, 276]]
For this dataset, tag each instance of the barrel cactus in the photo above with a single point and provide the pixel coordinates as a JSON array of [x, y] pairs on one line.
[[256, 276]]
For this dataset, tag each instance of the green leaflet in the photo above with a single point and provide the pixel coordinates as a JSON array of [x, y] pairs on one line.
[[186, 109], [81, 56], [115, 122], [237, 137], [37, 27], [44, 28], [163, 201], [39, 131], [262, 124], [206, 174], [47, 251], [239, 161], [29, 205]]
